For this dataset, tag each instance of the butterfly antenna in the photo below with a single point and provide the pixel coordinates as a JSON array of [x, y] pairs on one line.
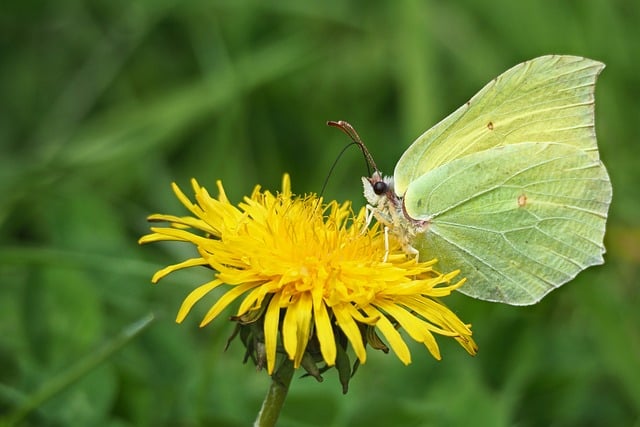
[[355, 140], [351, 133], [333, 166]]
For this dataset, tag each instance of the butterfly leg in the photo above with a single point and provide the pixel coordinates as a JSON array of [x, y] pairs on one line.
[[386, 244], [410, 250], [368, 218]]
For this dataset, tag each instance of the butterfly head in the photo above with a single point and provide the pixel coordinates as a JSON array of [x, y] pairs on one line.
[[378, 189]]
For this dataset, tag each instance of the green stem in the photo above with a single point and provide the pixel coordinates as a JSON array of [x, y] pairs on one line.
[[274, 400]]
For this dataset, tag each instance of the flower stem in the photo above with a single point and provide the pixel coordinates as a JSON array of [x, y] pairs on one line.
[[274, 400]]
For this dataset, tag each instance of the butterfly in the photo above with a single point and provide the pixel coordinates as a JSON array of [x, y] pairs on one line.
[[509, 188]]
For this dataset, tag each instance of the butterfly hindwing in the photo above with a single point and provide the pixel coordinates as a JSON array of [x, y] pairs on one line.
[[518, 220]]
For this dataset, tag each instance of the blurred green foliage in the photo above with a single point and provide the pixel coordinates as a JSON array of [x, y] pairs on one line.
[[104, 103]]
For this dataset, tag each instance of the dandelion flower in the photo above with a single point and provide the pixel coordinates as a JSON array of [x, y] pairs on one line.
[[312, 279]]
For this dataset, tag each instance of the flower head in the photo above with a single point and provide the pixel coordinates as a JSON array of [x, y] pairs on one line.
[[313, 278]]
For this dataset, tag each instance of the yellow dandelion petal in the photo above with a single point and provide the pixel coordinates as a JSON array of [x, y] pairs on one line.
[[351, 330], [176, 234], [271, 321], [289, 331], [171, 268], [414, 327], [359, 317], [467, 343], [225, 300], [222, 196], [195, 296], [253, 300], [193, 208], [286, 185], [323, 329], [392, 335], [182, 222], [297, 327], [439, 315], [217, 211]]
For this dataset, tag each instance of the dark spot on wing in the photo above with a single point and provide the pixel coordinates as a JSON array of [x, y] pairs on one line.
[[490, 125]]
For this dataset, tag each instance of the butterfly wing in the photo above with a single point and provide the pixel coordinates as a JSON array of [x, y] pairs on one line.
[[518, 220], [546, 99]]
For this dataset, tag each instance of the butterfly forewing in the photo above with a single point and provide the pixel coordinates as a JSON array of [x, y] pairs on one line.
[[547, 99]]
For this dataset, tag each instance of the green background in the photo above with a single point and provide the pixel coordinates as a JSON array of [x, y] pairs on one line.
[[105, 103]]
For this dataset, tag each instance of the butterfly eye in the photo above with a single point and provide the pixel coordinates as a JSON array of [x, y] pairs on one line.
[[380, 187]]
